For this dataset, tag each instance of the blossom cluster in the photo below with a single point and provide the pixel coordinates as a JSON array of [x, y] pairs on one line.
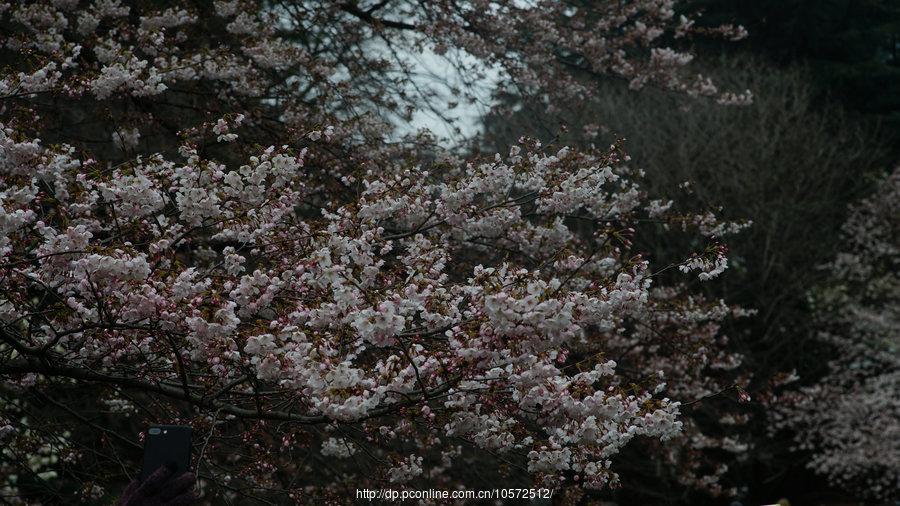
[[360, 310], [273, 260]]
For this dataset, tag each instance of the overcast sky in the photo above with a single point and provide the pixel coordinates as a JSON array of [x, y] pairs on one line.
[[434, 72]]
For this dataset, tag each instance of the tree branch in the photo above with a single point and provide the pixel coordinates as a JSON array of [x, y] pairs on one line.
[[21, 366], [367, 16]]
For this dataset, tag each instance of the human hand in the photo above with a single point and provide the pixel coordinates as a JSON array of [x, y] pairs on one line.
[[159, 490]]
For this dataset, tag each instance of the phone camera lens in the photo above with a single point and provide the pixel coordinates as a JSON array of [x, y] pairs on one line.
[[154, 432]]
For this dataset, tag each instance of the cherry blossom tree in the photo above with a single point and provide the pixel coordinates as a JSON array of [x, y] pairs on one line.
[[850, 420], [206, 220]]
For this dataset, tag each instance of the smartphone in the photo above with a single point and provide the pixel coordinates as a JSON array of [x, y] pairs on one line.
[[167, 445]]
